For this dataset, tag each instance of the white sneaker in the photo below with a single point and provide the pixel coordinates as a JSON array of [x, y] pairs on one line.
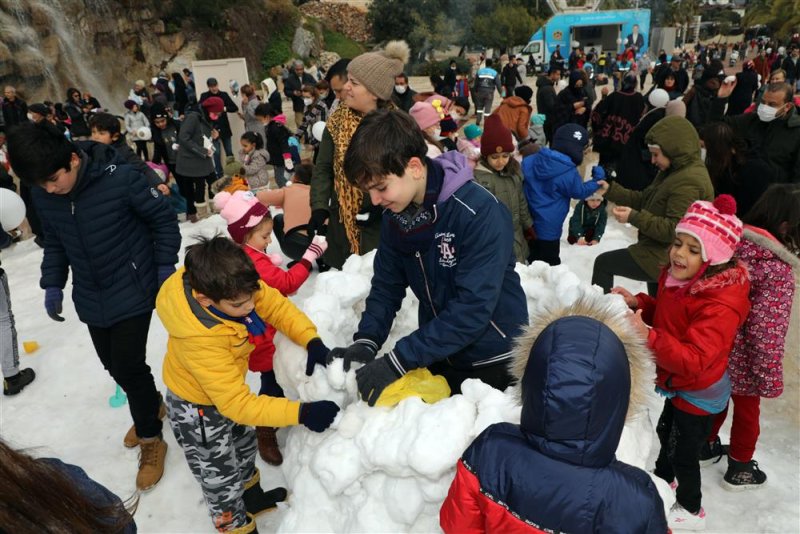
[[681, 519]]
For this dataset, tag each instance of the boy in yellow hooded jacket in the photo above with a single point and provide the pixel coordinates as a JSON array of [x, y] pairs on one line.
[[215, 310]]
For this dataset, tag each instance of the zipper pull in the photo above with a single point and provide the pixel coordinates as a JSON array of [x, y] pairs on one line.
[[72, 206], [134, 266]]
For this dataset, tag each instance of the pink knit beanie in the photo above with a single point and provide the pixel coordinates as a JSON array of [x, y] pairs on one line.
[[242, 211], [715, 226], [425, 115]]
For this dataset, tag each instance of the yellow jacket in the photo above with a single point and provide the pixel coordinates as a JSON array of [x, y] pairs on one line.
[[206, 359]]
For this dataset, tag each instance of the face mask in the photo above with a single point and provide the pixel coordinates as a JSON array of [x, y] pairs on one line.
[[30, 117], [455, 116], [400, 88], [324, 95], [766, 113], [437, 133], [703, 153], [308, 101], [452, 68]]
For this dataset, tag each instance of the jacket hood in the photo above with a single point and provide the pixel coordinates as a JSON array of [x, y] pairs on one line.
[[776, 248], [515, 102], [101, 160], [678, 141], [457, 172], [181, 314], [547, 164], [582, 370], [544, 81]]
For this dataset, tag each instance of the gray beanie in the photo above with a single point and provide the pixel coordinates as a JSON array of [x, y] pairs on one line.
[[377, 70]]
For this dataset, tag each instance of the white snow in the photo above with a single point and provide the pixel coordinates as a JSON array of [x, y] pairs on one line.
[[376, 469]]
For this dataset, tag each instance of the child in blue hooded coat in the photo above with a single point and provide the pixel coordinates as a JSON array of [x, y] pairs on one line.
[[551, 179]]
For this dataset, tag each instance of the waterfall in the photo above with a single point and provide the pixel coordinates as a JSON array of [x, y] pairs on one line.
[[50, 52]]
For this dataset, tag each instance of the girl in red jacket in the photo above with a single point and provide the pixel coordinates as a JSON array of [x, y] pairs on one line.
[[250, 225], [690, 327]]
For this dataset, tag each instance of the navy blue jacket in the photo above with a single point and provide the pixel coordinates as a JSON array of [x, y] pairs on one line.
[[550, 180], [557, 468], [113, 230], [471, 303]]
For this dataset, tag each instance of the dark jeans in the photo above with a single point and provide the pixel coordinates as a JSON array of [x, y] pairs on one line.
[[681, 436], [619, 263], [280, 175], [193, 189], [269, 385], [121, 348], [546, 251], [496, 375], [141, 150], [293, 243], [226, 144]]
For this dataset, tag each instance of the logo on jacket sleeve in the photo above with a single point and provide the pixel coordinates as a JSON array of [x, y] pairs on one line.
[[447, 249]]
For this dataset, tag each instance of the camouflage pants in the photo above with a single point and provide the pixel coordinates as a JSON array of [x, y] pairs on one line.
[[221, 456]]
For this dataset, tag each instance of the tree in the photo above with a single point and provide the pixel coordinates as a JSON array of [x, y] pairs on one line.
[[506, 26]]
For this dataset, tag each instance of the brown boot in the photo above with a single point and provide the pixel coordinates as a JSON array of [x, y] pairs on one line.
[[192, 218], [268, 445], [151, 462], [131, 439]]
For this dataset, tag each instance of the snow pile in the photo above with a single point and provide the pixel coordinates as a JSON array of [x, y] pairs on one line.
[[389, 469]]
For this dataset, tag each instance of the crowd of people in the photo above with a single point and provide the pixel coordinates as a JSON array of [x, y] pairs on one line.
[[705, 166]]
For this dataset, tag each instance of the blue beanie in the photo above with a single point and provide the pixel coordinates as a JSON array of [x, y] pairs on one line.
[[570, 140]]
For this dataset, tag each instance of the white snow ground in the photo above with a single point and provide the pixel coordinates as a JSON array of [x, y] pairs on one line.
[[377, 469]]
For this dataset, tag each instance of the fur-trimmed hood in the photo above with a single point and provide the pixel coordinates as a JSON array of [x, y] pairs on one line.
[[737, 274], [581, 370]]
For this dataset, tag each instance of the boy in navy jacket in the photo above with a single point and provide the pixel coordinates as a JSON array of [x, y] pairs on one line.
[[451, 242], [119, 237]]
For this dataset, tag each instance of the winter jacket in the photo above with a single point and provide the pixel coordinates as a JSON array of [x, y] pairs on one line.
[[792, 67], [206, 360], [565, 108], [585, 218], [163, 142], [545, 97], [487, 80], [659, 207], [771, 330], [778, 141], [295, 201], [95, 492], [251, 122], [294, 83], [469, 150], [112, 231], [314, 113], [508, 190], [746, 183], [613, 122], [277, 141], [78, 125], [742, 95], [551, 179], [698, 106], [404, 101], [556, 470], [129, 156], [509, 78], [287, 282], [14, 112], [255, 168], [471, 303], [693, 329], [634, 169], [193, 159], [134, 121], [515, 114], [223, 125]]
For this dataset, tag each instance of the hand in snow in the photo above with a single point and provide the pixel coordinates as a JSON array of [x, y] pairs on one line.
[[621, 213], [581, 241], [362, 351], [593, 242], [638, 324], [317, 355], [373, 378], [630, 298]]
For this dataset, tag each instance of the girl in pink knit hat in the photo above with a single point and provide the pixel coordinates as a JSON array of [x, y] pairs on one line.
[[690, 326], [250, 225]]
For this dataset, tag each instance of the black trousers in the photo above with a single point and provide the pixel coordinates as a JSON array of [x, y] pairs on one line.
[[619, 263], [293, 243], [496, 375], [681, 436], [141, 150], [30, 212], [121, 348], [192, 188], [546, 251]]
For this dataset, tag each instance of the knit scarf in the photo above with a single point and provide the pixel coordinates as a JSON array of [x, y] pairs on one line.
[[256, 327], [341, 126], [412, 229]]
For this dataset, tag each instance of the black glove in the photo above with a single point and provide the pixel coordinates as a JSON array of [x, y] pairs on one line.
[[53, 298], [362, 351], [318, 416], [316, 225], [317, 354], [373, 378]]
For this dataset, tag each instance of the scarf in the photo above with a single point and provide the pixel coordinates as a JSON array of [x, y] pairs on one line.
[[341, 126], [413, 228], [256, 327]]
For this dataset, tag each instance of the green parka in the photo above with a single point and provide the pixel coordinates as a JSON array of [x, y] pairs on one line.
[[507, 187], [657, 209]]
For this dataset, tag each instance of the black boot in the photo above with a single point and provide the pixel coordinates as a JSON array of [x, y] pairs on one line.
[[14, 384], [322, 266], [743, 475], [257, 500]]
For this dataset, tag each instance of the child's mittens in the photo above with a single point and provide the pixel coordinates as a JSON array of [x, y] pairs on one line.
[[276, 259], [319, 415], [53, 299], [317, 354], [316, 249], [598, 173]]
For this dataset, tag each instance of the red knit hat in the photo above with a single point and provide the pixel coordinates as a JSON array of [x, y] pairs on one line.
[[496, 138], [213, 104], [242, 211], [715, 226]]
